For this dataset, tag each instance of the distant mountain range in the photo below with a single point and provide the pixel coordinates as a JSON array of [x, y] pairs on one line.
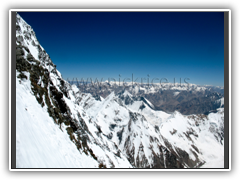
[[60, 125], [187, 99]]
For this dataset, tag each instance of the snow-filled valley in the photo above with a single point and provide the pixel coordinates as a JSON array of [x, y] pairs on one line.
[[59, 126]]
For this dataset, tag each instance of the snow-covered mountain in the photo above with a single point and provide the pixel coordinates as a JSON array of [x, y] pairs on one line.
[[59, 126], [151, 138], [185, 98]]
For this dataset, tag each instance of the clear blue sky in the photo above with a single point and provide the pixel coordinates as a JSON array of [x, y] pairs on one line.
[[161, 44]]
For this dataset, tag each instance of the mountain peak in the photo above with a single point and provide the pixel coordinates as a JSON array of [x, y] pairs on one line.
[[26, 37], [110, 96], [124, 93]]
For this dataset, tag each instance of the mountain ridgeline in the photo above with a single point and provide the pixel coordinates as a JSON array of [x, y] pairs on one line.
[[185, 98], [61, 126]]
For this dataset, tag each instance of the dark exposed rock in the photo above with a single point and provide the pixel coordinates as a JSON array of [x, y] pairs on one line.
[[142, 107], [119, 134], [182, 156], [48, 95], [112, 126], [97, 97]]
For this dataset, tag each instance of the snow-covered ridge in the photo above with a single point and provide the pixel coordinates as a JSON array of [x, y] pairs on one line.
[[26, 36], [221, 101], [39, 142], [60, 104]]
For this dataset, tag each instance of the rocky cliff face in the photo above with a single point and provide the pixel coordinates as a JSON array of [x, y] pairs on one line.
[[120, 131]]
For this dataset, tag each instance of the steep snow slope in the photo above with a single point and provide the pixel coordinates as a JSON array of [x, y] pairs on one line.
[[200, 136], [55, 101], [40, 143]]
